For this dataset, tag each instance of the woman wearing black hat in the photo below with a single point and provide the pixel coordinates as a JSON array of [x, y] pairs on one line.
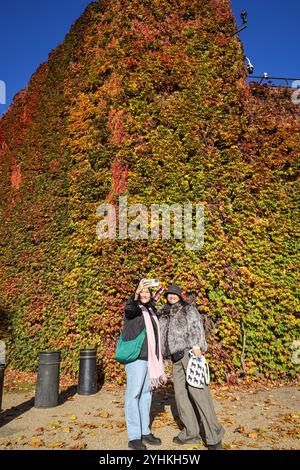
[[147, 371], [181, 329]]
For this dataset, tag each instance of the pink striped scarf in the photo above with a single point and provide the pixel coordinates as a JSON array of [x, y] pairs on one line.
[[156, 371]]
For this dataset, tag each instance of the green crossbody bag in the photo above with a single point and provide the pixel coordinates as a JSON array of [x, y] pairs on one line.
[[129, 351]]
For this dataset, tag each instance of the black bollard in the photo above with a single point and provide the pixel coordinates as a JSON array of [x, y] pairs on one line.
[[47, 386], [2, 368], [87, 380]]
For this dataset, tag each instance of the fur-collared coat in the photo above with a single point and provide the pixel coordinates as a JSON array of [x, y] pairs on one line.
[[181, 327]]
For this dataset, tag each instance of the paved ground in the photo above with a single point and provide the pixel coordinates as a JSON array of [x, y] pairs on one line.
[[254, 417]]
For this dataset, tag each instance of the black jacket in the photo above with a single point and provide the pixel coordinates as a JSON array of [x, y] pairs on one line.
[[134, 324]]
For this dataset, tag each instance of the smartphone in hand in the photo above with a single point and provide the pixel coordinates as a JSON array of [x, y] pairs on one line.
[[152, 282]]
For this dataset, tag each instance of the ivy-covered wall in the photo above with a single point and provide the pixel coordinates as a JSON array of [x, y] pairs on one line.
[[149, 99]]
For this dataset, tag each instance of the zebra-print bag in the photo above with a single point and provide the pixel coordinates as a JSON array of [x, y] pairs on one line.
[[197, 373]]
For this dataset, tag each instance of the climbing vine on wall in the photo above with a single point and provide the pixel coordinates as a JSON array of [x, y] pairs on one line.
[[149, 99]]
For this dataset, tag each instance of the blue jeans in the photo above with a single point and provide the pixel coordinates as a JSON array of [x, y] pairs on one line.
[[138, 398]]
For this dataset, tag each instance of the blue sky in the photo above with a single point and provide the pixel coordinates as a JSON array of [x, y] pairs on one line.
[[30, 29], [271, 40]]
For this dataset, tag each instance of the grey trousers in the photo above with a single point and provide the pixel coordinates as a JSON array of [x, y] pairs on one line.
[[195, 407]]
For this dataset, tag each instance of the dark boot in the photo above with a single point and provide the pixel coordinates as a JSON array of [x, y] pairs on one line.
[[136, 444], [150, 439], [217, 446]]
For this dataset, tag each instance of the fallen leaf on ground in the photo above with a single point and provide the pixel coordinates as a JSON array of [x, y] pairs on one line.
[[39, 431], [227, 446], [260, 430], [103, 414], [227, 421], [56, 444], [80, 446], [269, 401], [108, 426], [254, 445], [120, 424], [89, 426], [55, 424], [6, 443], [157, 425], [231, 398], [163, 414], [293, 433], [240, 429], [252, 435], [238, 443], [35, 442]]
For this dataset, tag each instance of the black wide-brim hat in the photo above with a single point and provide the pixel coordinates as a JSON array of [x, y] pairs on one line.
[[174, 289]]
